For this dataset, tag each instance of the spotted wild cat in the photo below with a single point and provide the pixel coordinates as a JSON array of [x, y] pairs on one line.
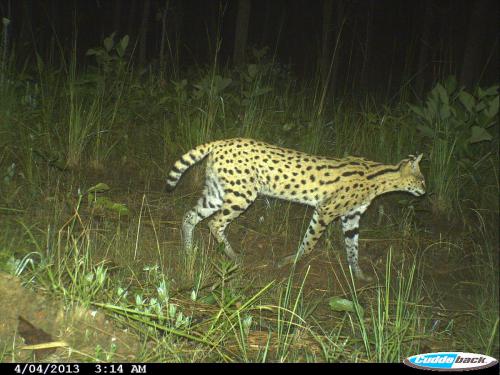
[[238, 170]]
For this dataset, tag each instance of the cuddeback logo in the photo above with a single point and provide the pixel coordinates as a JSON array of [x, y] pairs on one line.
[[450, 361]]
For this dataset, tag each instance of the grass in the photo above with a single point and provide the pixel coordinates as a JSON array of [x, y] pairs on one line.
[[395, 316], [119, 252]]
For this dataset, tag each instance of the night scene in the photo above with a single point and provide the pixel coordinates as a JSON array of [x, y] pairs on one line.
[[257, 181]]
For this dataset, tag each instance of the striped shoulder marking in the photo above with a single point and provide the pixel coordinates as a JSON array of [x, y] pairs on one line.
[[383, 171]]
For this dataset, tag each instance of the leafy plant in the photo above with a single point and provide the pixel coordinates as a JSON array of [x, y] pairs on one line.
[[342, 304], [221, 293], [457, 125], [468, 118], [159, 309], [110, 57], [101, 203], [211, 86]]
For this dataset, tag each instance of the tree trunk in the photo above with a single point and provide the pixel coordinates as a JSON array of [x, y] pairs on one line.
[[368, 45], [241, 33], [4, 45], [27, 23], [117, 11], [424, 49], [265, 24], [340, 10], [326, 42], [474, 47], [164, 36], [143, 31], [214, 16], [131, 29], [278, 30]]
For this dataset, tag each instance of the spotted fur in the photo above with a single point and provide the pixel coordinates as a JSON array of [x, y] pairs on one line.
[[238, 170]]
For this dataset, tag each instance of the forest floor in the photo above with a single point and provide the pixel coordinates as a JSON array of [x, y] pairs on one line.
[[431, 279]]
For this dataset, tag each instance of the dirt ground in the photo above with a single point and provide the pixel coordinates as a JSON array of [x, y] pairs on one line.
[[69, 334]]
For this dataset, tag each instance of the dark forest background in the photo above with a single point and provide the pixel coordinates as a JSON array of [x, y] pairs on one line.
[[368, 45], [98, 99]]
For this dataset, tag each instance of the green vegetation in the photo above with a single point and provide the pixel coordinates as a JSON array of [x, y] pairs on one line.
[[84, 150]]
